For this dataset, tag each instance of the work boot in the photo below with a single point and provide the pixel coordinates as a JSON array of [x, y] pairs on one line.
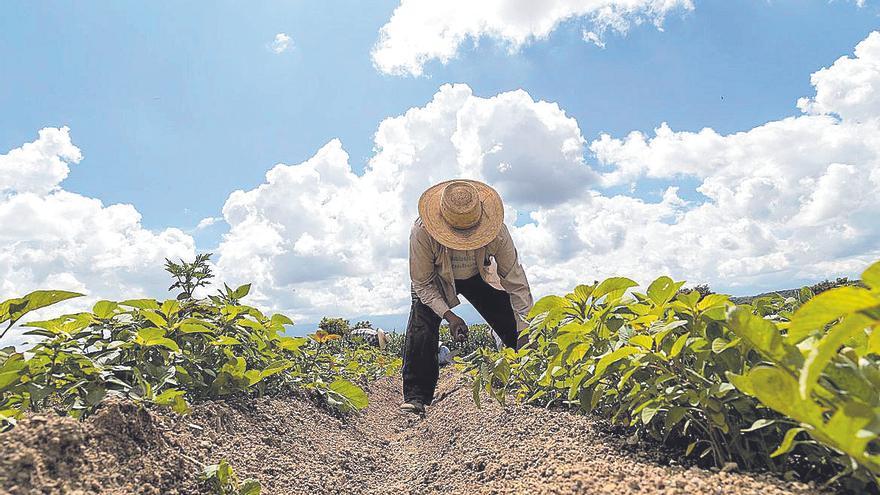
[[414, 406]]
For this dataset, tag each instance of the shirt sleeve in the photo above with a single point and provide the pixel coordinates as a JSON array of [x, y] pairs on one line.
[[513, 277], [422, 272]]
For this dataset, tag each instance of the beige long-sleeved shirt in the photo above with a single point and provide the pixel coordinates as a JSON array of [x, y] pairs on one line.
[[430, 269]]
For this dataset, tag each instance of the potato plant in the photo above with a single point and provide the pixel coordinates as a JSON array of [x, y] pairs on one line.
[[175, 352], [780, 384]]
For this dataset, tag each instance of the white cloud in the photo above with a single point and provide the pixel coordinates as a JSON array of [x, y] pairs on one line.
[[788, 200], [40, 166], [785, 202], [423, 30], [281, 43], [207, 222], [52, 238], [851, 87], [593, 37], [315, 235]]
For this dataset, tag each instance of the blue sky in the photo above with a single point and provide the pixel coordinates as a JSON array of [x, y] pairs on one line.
[[175, 105]]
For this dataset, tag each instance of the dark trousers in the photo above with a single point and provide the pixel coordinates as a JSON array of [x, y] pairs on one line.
[[421, 368]]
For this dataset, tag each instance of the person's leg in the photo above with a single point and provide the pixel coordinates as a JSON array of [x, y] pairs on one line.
[[421, 369], [493, 305]]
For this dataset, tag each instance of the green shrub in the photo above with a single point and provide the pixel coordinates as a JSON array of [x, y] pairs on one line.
[[335, 326], [479, 337], [780, 384], [174, 352]]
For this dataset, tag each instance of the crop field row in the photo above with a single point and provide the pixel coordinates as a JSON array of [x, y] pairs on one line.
[[782, 384]]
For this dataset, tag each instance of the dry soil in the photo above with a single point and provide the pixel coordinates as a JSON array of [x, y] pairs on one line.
[[292, 446]]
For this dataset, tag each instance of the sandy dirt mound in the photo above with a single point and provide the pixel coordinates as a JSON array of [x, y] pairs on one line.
[[291, 446]]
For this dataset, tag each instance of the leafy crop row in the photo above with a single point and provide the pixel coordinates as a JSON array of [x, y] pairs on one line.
[[780, 384], [174, 352]]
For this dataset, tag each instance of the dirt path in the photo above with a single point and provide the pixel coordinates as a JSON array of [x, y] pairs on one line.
[[293, 447]]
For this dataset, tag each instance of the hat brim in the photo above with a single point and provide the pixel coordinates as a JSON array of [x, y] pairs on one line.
[[462, 239]]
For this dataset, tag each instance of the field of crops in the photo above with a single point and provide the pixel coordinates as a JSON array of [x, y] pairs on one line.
[[786, 385], [175, 352], [782, 384]]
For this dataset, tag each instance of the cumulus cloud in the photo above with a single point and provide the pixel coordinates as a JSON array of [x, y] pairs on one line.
[[849, 88], [53, 238], [207, 222], [316, 235], [420, 31], [281, 43], [788, 201]]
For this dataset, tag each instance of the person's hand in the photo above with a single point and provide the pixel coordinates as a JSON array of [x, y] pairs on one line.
[[457, 327]]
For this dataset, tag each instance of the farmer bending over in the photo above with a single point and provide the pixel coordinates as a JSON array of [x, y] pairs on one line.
[[458, 245]]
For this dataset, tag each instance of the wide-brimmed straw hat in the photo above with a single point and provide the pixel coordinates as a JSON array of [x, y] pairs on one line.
[[462, 214]]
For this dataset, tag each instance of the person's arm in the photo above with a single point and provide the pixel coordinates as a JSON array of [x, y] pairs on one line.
[[513, 277], [422, 272]]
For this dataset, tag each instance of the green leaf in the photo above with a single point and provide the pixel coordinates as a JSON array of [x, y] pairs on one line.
[[647, 414], [609, 359], [154, 318], [554, 306], [582, 293], [787, 442], [475, 389], [759, 333], [194, 328], [720, 345], [225, 340], [673, 417], [689, 299], [278, 320], [144, 304], [663, 331], [249, 487], [824, 351], [871, 276], [170, 307], [150, 333], [152, 336], [104, 309], [8, 378], [164, 342], [292, 343], [611, 285], [644, 341], [758, 424], [778, 390], [661, 290], [13, 309], [678, 345], [355, 395], [241, 291], [827, 307]]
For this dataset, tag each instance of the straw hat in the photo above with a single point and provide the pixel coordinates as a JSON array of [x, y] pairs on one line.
[[462, 214]]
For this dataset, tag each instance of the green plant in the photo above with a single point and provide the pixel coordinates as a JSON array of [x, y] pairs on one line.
[[703, 289], [177, 351], [479, 337], [222, 480], [829, 284], [821, 368], [190, 276], [13, 310], [703, 373], [335, 326]]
